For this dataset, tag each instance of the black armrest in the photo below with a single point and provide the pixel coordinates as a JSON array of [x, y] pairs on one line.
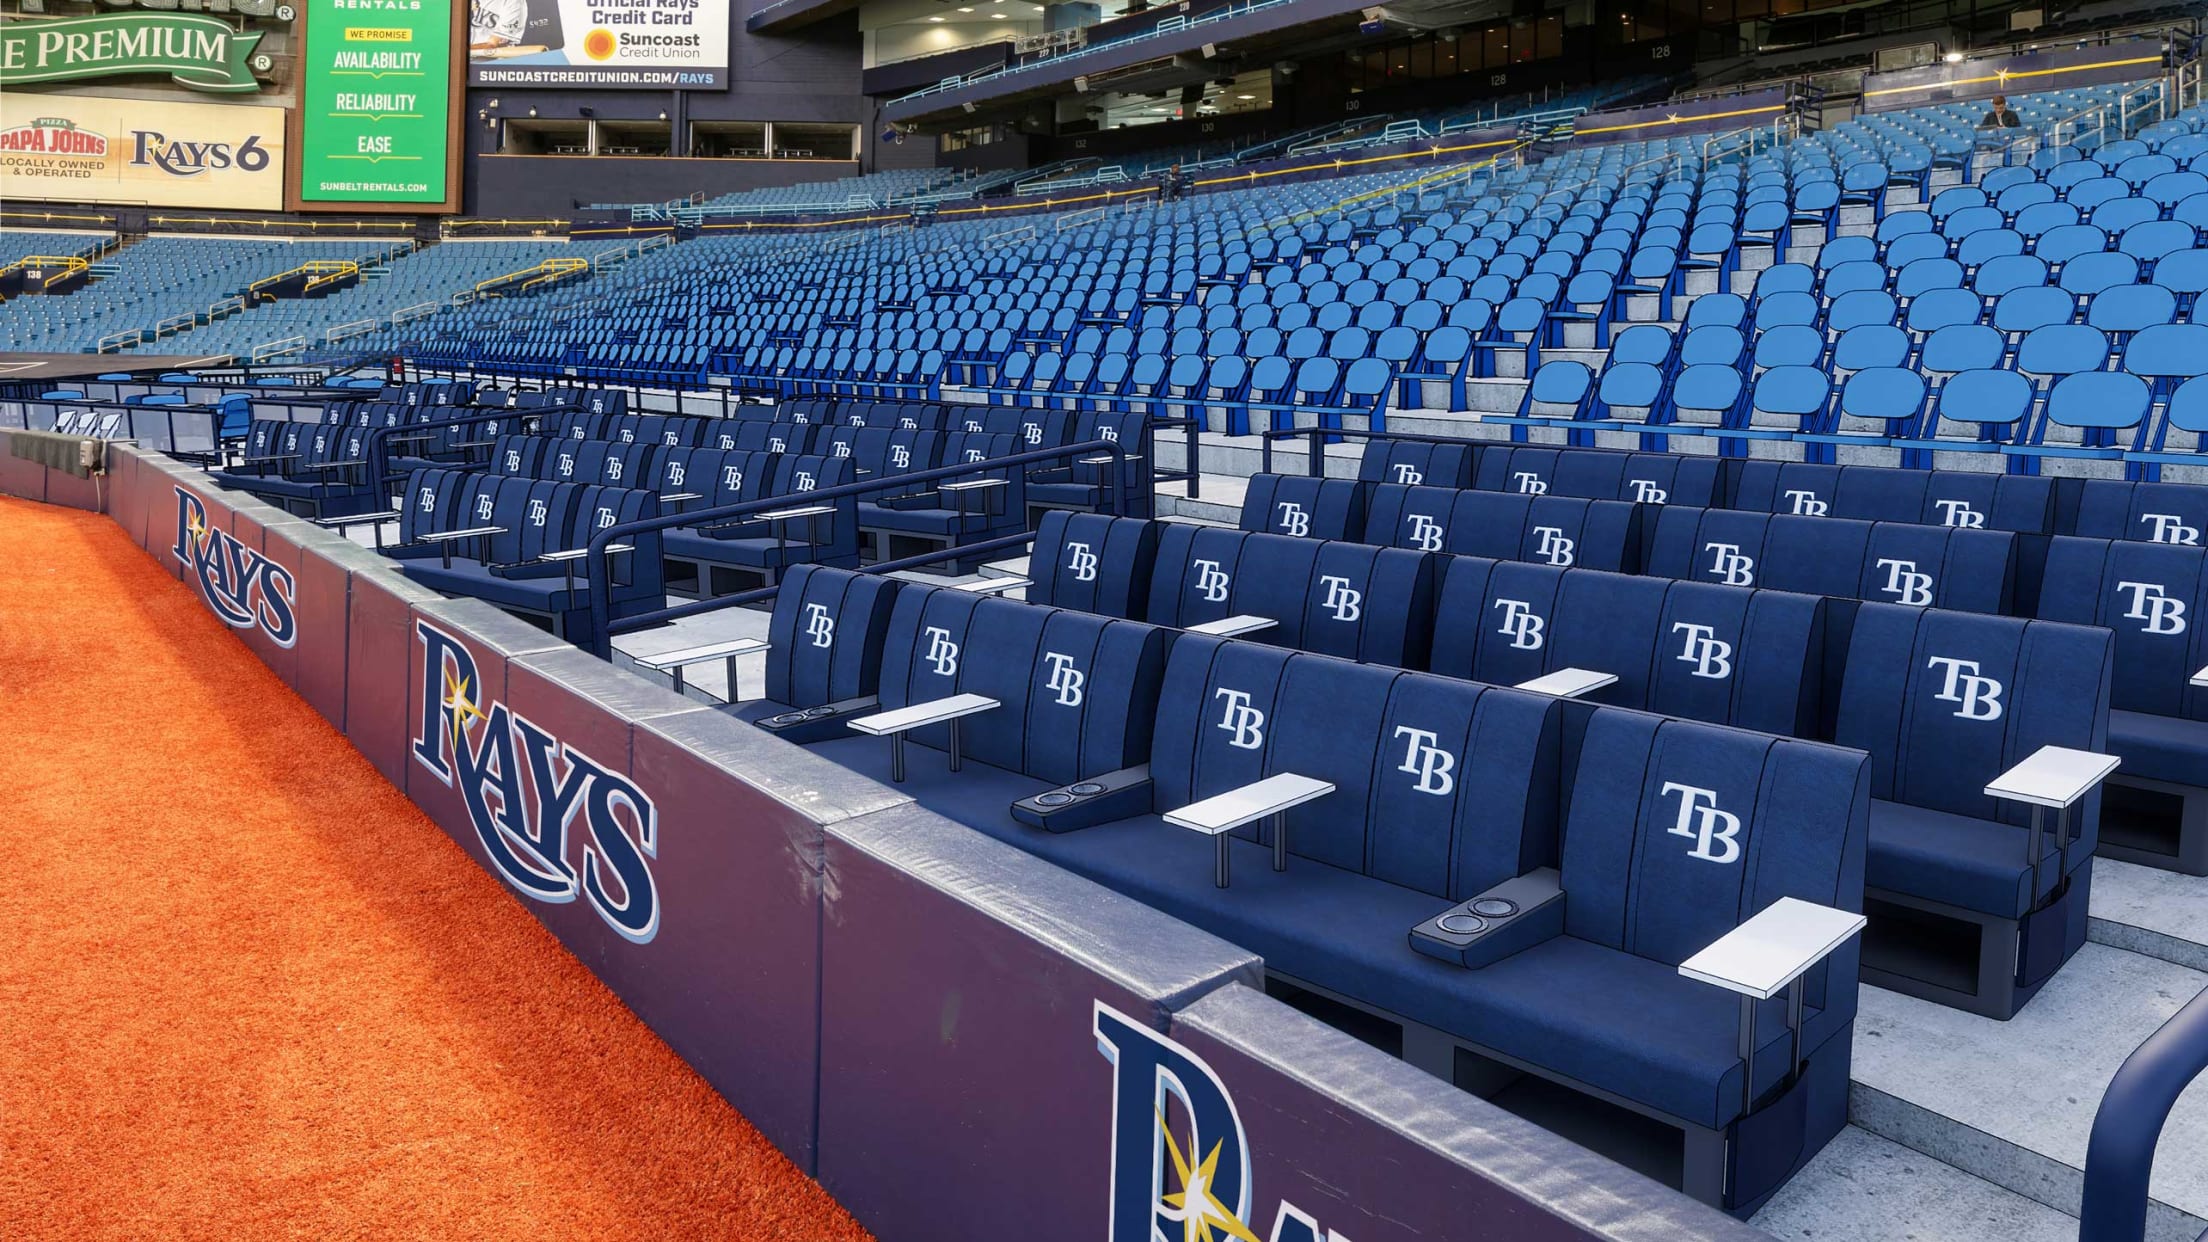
[[818, 724], [1085, 804], [1514, 915]]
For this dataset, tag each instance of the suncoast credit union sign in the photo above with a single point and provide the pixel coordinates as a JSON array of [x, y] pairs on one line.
[[193, 49]]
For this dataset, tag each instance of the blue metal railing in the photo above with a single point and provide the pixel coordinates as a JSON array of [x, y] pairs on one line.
[[2120, 1156]]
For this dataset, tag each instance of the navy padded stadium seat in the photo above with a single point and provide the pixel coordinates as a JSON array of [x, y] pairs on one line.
[[1944, 567], [1093, 562], [1595, 474], [1305, 507], [1345, 599], [1944, 702], [1554, 530], [2152, 597], [1418, 462], [1586, 993]]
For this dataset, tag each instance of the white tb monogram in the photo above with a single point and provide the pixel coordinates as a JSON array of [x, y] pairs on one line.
[[1711, 656], [819, 626], [1520, 624], [942, 652], [1715, 833], [1730, 566], [1065, 681], [1244, 721], [1212, 581], [1979, 696], [2152, 603], [1904, 583], [1293, 520], [1427, 761], [1081, 561], [1345, 603]]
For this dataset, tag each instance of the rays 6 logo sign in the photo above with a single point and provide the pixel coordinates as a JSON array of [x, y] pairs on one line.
[[1186, 1179], [570, 805], [247, 590]]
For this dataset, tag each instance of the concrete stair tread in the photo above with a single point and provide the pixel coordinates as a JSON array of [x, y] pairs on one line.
[[2158, 913], [1863, 1188], [2013, 1102]]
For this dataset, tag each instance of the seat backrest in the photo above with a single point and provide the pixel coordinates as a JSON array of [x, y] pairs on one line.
[[826, 635], [1944, 701], [1947, 567], [1553, 530], [1092, 562], [1680, 831], [1074, 689], [1305, 507], [1440, 785], [1600, 474], [1416, 462], [2151, 596], [2152, 512]]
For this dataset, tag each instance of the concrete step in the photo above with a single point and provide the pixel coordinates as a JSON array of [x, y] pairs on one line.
[[2012, 1102], [1219, 499], [2160, 914], [1863, 1188]]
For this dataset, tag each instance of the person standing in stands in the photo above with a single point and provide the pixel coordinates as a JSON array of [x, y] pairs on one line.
[[1173, 182], [2001, 115]]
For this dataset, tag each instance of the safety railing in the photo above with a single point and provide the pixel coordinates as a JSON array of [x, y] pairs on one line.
[[226, 307], [316, 273], [2186, 84], [278, 349], [347, 331], [1075, 219], [69, 264], [2119, 1157], [175, 324], [420, 310], [114, 342], [598, 565], [2143, 105]]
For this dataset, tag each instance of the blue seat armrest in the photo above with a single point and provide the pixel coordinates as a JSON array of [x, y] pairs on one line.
[[1509, 918], [1085, 804]]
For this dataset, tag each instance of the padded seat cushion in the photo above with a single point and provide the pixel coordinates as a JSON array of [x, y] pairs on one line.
[[2160, 748], [754, 553], [1623, 1024], [1958, 860], [471, 578]]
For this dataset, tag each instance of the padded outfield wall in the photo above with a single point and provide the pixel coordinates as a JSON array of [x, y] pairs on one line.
[[958, 1039]]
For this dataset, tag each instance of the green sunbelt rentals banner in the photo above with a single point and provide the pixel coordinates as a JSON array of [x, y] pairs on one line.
[[195, 50], [375, 101]]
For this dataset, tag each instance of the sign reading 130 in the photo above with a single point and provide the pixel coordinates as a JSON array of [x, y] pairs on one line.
[[375, 101]]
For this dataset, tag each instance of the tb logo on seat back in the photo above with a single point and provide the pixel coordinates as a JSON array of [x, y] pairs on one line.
[[1960, 514], [819, 626], [1554, 547], [1521, 625], [244, 588], [1424, 758], [2152, 603], [1212, 581], [1065, 681], [1978, 696], [1080, 561], [942, 654], [1808, 503], [1905, 583], [1425, 532], [1646, 492], [2170, 528], [1711, 656], [1731, 566], [1293, 519], [1408, 474], [1241, 719], [1530, 484], [479, 747], [1715, 832], [1346, 603]]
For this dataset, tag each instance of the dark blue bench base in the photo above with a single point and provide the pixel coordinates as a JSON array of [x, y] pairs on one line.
[[2155, 824], [1969, 960]]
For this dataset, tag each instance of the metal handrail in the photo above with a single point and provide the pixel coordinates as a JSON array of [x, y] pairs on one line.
[[2119, 1158], [595, 557]]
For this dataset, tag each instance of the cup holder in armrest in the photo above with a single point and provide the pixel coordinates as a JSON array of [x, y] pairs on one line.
[[818, 724], [1513, 915], [1114, 795]]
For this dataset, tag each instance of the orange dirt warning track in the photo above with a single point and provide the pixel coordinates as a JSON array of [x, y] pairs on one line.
[[247, 991]]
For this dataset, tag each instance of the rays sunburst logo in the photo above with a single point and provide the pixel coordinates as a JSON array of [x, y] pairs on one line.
[[1180, 1158]]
